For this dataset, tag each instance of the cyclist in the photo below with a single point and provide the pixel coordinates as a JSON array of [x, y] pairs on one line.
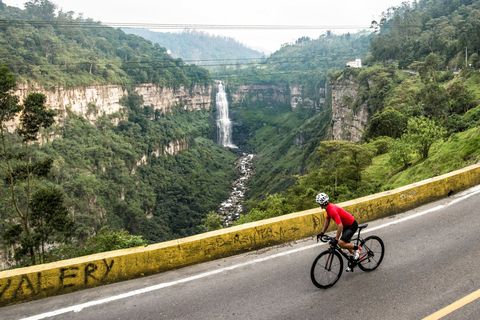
[[346, 225]]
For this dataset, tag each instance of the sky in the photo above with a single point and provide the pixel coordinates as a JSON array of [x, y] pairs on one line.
[[334, 14]]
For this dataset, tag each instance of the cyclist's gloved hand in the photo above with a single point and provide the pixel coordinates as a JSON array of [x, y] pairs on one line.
[[319, 236], [333, 242]]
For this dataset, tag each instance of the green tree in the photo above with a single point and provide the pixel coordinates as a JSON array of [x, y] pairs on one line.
[[434, 99], [42, 9], [335, 169], [388, 122], [273, 205], [107, 239], [421, 133], [212, 221], [401, 153], [460, 98], [50, 218], [428, 69], [381, 145], [34, 117], [343, 161], [21, 168]]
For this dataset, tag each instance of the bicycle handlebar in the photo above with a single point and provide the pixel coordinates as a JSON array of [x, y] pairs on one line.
[[326, 238]]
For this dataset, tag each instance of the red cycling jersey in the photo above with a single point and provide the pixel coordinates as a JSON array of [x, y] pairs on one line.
[[339, 215]]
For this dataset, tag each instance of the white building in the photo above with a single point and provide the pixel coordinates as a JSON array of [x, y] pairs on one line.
[[355, 64]]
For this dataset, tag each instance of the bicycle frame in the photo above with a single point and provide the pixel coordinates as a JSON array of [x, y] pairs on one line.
[[351, 262]]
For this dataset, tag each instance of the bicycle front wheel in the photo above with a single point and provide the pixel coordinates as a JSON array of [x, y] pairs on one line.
[[372, 255], [326, 269]]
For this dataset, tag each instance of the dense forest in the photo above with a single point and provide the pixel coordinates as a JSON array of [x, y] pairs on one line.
[[78, 186], [307, 61], [210, 51], [410, 32]]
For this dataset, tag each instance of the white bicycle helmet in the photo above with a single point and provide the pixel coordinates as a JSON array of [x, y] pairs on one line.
[[322, 199]]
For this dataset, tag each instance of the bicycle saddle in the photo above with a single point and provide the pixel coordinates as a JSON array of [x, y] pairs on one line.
[[362, 226]]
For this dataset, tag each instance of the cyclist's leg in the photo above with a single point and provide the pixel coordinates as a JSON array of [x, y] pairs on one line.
[[347, 235]]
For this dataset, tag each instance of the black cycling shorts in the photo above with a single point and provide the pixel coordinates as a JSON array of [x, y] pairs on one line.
[[349, 231]]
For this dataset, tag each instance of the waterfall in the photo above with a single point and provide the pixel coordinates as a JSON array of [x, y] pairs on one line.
[[223, 121]]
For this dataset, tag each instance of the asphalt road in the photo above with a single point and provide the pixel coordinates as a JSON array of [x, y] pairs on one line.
[[432, 260]]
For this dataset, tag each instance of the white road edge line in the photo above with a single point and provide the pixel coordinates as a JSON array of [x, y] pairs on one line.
[[80, 307]]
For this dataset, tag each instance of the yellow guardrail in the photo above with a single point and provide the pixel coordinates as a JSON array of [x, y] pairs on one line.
[[102, 268]]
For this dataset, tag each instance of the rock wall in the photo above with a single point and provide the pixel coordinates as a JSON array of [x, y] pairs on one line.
[[292, 95], [268, 95], [173, 148], [164, 99], [348, 122], [92, 102]]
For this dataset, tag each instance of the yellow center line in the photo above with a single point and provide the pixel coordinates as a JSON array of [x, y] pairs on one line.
[[454, 306]]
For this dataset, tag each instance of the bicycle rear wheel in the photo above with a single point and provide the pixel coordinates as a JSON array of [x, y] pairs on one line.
[[372, 255], [326, 269]]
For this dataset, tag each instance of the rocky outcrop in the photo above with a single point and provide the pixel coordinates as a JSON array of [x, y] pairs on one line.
[[298, 98], [165, 99], [292, 95], [348, 120], [267, 95], [295, 96], [173, 148]]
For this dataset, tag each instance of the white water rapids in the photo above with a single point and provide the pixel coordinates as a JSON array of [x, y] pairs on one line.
[[231, 208]]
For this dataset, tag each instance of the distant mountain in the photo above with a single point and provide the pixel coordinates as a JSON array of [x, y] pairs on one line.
[[198, 46], [54, 48]]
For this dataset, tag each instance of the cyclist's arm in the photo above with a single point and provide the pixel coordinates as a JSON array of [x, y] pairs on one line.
[[325, 224]]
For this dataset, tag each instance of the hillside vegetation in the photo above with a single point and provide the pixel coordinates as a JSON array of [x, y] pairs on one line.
[[306, 62], [283, 140], [108, 184], [59, 49], [424, 118]]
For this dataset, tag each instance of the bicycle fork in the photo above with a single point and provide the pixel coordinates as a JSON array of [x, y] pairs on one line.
[[328, 263]]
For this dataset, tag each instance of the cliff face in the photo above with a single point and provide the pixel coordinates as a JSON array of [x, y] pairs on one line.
[[348, 122], [268, 95], [292, 95], [94, 101], [164, 99], [173, 148]]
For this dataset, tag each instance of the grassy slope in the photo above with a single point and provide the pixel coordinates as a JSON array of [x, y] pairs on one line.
[[460, 150], [283, 141], [473, 84]]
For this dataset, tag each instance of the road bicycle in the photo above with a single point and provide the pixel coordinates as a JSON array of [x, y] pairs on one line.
[[328, 265]]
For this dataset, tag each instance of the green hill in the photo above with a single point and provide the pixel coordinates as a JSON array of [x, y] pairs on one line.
[[200, 48], [307, 61], [410, 32], [55, 48]]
